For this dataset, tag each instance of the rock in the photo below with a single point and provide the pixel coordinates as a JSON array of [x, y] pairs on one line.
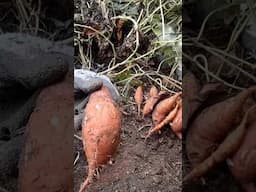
[[46, 162]]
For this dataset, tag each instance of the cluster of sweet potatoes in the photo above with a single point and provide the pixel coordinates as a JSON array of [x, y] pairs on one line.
[[165, 109], [225, 130]]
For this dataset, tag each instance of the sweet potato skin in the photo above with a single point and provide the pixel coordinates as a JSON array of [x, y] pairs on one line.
[[138, 96], [101, 130], [227, 148], [213, 125], [152, 101], [244, 161], [153, 91], [163, 108], [191, 88], [177, 121]]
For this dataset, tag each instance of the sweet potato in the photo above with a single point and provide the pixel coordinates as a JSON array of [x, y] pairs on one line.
[[153, 91], [45, 162], [152, 101], [163, 108], [227, 148], [100, 131], [243, 165], [190, 88], [176, 124], [194, 95], [166, 120], [213, 125], [138, 96]]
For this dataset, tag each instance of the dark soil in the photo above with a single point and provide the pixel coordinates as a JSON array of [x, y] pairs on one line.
[[138, 166]]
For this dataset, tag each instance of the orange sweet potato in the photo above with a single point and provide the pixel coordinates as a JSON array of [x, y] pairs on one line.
[[153, 91], [163, 108], [176, 124], [227, 148], [190, 88], [138, 96], [243, 165], [172, 114], [194, 95], [152, 101], [100, 131], [212, 126]]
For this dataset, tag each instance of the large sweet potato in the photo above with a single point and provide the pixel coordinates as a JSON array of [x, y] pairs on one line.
[[213, 124], [226, 149], [46, 161], [101, 131]]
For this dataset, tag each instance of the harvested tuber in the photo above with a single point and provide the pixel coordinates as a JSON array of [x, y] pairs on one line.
[[212, 126], [164, 107], [166, 121], [191, 88], [138, 96], [176, 124], [153, 91], [46, 160], [194, 95], [100, 131], [243, 165], [152, 101], [227, 148]]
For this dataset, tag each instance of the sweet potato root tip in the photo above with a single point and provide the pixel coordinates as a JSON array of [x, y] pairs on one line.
[[228, 147], [87, 181], [100, 131], [138, 96], [179, 135]]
